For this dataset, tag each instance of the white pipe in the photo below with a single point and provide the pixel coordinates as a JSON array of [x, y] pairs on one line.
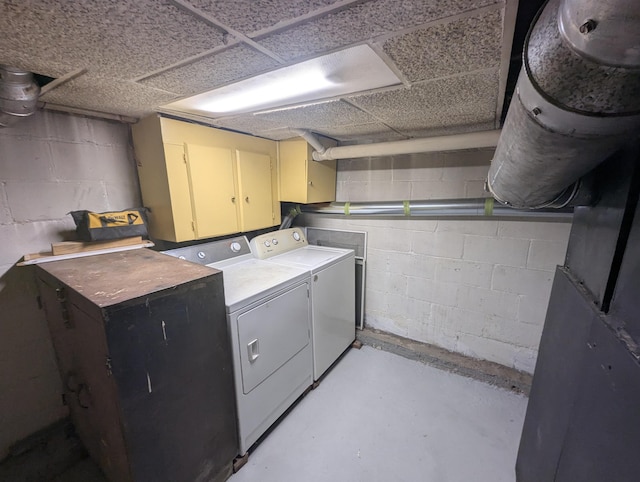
[[311, 139], [473, 140]]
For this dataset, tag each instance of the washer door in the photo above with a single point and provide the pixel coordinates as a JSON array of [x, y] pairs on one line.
[[271, 334]]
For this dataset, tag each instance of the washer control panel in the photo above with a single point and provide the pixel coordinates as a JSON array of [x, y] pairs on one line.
[[278, 242], [213, 251]]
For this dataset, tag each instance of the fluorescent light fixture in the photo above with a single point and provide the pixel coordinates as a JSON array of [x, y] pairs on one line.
[[345, 72]]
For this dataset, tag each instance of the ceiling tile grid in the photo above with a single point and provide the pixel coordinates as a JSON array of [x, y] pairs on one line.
[[374, 132], [235, 63], [249, 123], [464, 99], [317, 116], [104, 95], [359, 23], [117, 38], [463, 45], [249, 16], [448, 53], [450, 130]]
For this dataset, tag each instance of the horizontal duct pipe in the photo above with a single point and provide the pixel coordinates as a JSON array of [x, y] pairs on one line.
[[446, 208], [577, 100], [472, 140]]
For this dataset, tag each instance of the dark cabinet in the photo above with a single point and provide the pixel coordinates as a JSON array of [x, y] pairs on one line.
[[145, 359]]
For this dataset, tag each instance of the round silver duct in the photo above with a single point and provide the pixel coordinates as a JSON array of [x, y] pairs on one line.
[[18, 95], [577, 100], [435, 208]]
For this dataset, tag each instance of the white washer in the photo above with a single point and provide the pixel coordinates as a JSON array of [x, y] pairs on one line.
[[268, 312], [332, 280]]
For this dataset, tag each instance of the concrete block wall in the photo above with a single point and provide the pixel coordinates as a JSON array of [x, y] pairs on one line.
[[477, 287], [50, 164]]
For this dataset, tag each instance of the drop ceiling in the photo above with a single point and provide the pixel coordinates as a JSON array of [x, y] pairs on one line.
[[131, 57]]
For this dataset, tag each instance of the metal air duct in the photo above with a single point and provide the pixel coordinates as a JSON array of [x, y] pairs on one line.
[[438, 208], [18, 95], [577, 100]]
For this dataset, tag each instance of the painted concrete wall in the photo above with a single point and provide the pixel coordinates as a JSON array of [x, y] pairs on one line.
[[50, 164], [476, 287]]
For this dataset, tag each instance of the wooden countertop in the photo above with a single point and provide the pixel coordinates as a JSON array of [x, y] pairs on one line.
[[109, 279]]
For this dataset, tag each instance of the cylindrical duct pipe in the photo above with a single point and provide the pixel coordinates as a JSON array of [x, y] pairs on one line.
[[446, 208], [311, 139], [577, 100], [472, 140], [18, 95]]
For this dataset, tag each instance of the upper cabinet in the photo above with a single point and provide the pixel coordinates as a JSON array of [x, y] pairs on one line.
[[303, 180], [200, 182]]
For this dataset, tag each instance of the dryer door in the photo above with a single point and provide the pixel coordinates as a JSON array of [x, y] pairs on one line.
[[271, 334]]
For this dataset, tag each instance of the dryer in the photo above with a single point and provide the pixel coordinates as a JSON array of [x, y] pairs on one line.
[[331, 274], [268, 312]]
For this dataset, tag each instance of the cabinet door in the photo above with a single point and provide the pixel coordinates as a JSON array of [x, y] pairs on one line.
[[179, 192], [302, 179], [213, 195], [321, 181], [254, 180], [293, 171]]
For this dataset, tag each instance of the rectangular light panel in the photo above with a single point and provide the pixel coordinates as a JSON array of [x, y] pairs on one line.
[[345, 72]]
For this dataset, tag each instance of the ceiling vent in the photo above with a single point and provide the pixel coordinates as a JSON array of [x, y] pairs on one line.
[[18, 95]]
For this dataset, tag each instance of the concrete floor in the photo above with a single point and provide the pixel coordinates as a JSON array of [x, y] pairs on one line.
[[380, 417]]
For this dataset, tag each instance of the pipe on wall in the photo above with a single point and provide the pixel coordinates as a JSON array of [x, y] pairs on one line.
[[577, 100], [445, 208], [472, 140]]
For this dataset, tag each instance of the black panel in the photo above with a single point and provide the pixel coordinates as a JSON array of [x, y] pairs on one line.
[[604, 435], [595, 234], [626, 300], [171, 359], [556, 380]]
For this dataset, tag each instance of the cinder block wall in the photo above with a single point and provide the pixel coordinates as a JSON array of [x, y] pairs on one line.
[[478, 287], [50, 164]]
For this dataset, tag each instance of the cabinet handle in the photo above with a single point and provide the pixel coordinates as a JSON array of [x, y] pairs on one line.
[[247, 199], [310, 183], [233, 199]]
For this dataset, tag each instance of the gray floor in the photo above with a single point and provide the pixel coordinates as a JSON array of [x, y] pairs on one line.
[[381, 417]]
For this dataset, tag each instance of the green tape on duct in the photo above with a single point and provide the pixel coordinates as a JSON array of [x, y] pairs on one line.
[[346, 209], [407, 208], [488, 207]]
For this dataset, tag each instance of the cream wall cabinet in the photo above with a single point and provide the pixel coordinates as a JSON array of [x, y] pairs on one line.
[[303, 180], [200, 182]]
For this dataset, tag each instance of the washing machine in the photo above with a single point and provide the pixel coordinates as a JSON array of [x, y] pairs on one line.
[[331, 274], [268, 312]]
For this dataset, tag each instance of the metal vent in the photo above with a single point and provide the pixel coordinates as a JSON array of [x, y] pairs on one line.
[[18, 95]]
